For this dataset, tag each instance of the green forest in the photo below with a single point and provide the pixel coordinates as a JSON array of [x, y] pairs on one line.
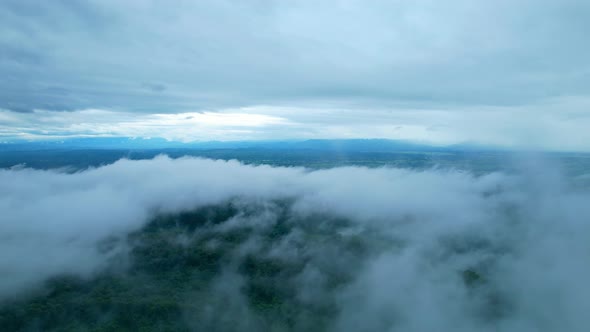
[[192, 272]]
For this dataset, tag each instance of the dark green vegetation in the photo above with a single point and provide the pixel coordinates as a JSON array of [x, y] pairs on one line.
[[245, 265], [234, 267], [78, 154], [81, 159], [476, 162]]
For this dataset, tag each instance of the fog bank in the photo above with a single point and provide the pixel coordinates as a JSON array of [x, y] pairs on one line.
[[448, 250]]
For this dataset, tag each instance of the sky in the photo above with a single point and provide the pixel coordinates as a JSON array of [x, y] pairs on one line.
[[508, 73]]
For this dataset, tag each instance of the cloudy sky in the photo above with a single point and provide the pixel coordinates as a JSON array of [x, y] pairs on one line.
[[507, 72]]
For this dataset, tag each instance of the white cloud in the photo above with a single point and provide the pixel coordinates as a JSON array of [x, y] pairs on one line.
[[525, 233], [554, 124], [188, 126]]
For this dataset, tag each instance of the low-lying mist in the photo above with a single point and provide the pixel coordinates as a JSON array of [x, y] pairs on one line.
[[203, 245]]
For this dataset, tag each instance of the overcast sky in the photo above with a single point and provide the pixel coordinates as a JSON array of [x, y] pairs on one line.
[[505, 72]]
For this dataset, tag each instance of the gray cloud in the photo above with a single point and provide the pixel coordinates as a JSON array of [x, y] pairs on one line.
[[217, 54], [524, 235]]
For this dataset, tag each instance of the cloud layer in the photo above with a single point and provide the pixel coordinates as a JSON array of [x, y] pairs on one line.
[[186, 55], [460, 253], [502, 72]]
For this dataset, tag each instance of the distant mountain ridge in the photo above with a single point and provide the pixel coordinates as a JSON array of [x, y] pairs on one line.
[[130, 143]]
